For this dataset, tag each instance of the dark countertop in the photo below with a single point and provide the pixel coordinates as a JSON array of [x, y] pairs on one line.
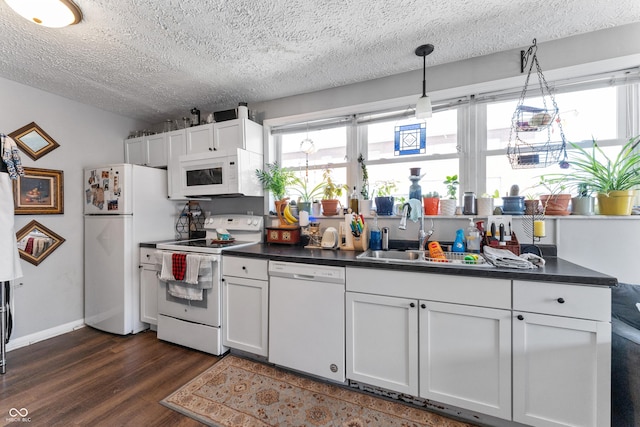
[[555, 269]]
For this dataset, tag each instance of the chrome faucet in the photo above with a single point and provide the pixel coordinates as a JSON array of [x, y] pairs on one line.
[[423, 236]]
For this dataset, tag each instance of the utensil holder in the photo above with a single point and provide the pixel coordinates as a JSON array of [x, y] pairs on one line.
[[353, 243]]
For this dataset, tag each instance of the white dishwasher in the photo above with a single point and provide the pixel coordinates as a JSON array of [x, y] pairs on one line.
[[306, 318]]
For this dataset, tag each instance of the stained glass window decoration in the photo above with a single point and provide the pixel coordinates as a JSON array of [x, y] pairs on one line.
[[410, 139]]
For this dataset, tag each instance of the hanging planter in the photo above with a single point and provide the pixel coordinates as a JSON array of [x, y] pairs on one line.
[[535, 113]]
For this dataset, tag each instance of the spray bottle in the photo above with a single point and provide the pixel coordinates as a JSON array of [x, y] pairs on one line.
[[458, 244]]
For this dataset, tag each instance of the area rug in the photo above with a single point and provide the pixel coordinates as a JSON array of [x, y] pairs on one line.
[[237, 392]]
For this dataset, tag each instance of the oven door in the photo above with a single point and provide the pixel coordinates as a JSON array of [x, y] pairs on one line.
[[206, 312], [207, 174]]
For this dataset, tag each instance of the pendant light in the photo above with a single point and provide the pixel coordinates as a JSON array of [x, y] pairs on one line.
[[48, 13], [423, 106]]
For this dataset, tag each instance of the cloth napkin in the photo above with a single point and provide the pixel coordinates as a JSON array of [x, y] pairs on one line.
[[505, 258], [416, 209]]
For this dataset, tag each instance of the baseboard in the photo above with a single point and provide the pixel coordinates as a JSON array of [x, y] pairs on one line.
[[43, 335]]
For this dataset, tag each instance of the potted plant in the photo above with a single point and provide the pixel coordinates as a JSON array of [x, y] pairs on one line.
[[365, 203], [305, 193], [613, 179], [431, 203], [384, 199], [556, 200], [486, 202], [448, 204], [584, 202], [276, 179], [330, 194]]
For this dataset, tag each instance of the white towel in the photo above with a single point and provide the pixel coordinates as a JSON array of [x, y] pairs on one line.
[[193, 269], [505, 258], [178, 290], [166, 272]]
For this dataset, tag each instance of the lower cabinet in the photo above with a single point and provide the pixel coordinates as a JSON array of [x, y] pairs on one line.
[[245, 299], [148, 287], [450, 353]]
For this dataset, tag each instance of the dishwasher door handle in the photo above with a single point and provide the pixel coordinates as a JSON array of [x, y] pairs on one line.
[[304, 276]]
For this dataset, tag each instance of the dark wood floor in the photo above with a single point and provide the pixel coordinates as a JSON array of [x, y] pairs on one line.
[[92, 378]]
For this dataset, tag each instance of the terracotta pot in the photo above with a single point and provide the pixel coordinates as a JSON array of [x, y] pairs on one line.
[[616, 202], [531, 207], [431, 205], [330, 207], [555, 204]]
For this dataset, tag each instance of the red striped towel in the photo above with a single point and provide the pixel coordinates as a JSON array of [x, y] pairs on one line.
[[179, 265]]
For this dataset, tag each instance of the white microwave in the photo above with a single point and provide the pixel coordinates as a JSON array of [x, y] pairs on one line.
[[220, 173]]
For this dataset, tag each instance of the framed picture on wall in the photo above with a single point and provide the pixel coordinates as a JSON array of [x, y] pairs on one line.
[[33, 140], [39, 191], [36, 242]]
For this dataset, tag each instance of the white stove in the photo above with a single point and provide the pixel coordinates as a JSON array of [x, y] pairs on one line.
[[197, 324], [244, 230]]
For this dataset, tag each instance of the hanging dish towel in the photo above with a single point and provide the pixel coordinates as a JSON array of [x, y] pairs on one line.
[[10, 268], [179, 265], [416, 209]]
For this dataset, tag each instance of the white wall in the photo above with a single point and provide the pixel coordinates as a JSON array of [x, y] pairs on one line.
[[51, 294]]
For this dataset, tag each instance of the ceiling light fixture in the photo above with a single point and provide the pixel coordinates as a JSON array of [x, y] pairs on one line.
[[423, 106], [48, 13]]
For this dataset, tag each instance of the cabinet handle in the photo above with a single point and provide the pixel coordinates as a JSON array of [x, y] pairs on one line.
[[423, 305], [210, 149], [520, 317], [561, 300], [244, 268], [412, 305]]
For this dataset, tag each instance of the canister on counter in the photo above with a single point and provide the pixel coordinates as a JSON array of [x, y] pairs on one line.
[[469, 203]]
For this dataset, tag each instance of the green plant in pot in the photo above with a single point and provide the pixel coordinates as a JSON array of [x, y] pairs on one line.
[[365, 203], [384, 199], [448, 204], [306, 193], [431, 202], [584, 202], [331, 193], [555, 199], [614, 179], [275, 179]]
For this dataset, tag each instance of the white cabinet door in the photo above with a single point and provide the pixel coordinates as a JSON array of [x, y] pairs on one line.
[[465, 357], [238, 133], [157, 150], [176, 147], [148, 294], [561, 374], [245, 314], [135, 151], [200, 139], [382, 341]]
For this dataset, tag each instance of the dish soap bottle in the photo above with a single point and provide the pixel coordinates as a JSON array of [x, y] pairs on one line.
[[473, 237], [458, 244], [375, 239]]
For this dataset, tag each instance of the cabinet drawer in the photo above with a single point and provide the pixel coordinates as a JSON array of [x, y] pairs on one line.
[[147, 255], [585, 302], [245, 267]]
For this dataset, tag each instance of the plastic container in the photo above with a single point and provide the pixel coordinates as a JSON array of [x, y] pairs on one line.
[[472, 237], [375, 239], [458, 243]]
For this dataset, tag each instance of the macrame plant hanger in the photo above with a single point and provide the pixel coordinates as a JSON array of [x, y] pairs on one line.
[[532, 116]]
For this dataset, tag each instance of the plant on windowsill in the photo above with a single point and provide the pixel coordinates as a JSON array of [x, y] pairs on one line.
[[584, 202], [555, 200], [306, 194], [331, 193], [384, 199], [448, 204], [276, 179], [431, 203], [365, 203]]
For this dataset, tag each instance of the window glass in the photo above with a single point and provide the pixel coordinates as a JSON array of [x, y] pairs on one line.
[[329, 146], [584, 114], [441, 135]]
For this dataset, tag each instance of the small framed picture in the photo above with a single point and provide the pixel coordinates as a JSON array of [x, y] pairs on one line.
[[39, 191]]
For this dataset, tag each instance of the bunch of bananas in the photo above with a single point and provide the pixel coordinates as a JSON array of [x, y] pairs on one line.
[[288, 216]]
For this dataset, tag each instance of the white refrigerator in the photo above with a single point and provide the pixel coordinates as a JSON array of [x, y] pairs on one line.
[[124, 205]]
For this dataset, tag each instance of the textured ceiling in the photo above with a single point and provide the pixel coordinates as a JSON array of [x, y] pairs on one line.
[[155, 59]]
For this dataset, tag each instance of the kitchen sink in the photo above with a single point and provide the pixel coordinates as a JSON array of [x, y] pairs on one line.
[[418, 257], [392, 255]]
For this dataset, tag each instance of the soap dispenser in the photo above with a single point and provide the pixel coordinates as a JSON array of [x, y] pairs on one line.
[[458, 244], [472, 237]]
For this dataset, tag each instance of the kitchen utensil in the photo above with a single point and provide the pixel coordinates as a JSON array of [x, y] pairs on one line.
[[329, 238]]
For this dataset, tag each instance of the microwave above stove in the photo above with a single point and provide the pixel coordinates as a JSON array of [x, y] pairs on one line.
[[227, 172]]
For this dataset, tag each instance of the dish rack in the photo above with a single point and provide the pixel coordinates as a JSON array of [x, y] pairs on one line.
[[512, 245], [457, 258]]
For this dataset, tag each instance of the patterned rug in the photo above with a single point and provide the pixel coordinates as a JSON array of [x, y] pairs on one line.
[[238, 392]]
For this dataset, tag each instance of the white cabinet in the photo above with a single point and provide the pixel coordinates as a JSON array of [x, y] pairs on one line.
[[405, 334], [382, 341], [149, 150], [562, 357], [245, 299], [225, 136], [177, 146], [148, 286], [465, 357], [200, 139]]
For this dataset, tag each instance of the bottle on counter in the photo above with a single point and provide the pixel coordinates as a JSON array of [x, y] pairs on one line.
[[375, 238], [458, 243], [472, 237], [353, 201]]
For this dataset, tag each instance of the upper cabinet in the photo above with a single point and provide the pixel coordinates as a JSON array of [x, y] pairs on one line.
[[149, 150], [227, 135]]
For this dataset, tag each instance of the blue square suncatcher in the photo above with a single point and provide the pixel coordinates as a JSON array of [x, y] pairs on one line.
[[410, 139]]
